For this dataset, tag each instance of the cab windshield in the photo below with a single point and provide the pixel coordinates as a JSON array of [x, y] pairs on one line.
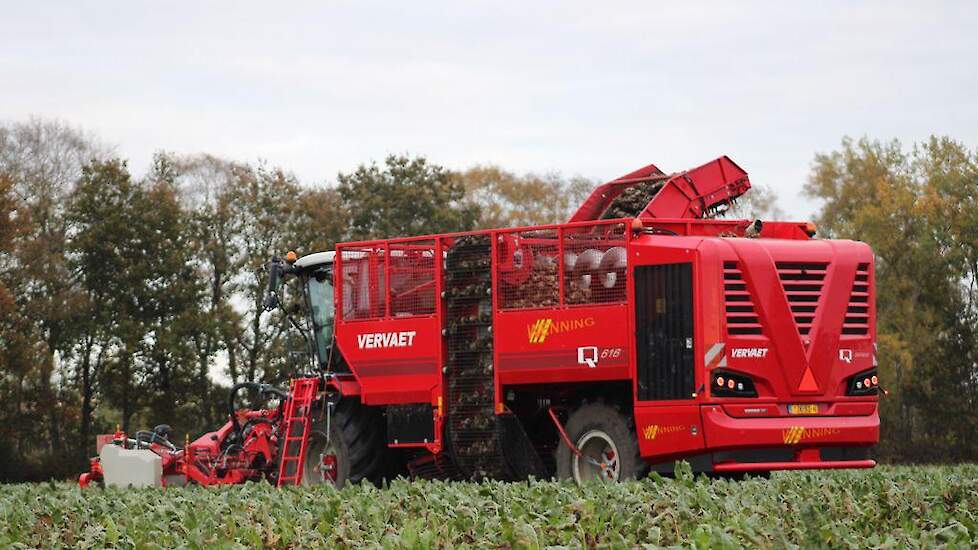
[[320, 292]]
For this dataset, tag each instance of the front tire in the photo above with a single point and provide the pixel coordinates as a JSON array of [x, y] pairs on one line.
[[354, 451], [608, 445]]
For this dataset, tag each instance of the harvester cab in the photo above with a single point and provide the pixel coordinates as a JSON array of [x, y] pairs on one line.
[[314, 274]]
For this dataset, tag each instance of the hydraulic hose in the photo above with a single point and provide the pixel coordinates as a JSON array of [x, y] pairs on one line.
[[151, 437], [146, 436], [236, 427], [262, 389]]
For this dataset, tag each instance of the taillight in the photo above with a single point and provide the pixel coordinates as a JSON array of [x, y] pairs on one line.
[[863, 383], [731, 384]]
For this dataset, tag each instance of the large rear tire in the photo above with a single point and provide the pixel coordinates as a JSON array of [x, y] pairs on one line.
[[355, 450], [607, 441]]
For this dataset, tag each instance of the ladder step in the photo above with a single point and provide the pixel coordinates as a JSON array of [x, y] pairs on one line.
[[302, 391]]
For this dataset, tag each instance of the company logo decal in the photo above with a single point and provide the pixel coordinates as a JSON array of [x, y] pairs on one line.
[[748, 353], [654, 430], [538, 330], [591, 355], [845, 355], [797, 434], [374, 340], [587, 355], [792, 435]]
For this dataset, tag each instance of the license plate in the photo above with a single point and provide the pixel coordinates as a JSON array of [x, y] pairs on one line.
[[808, 408]]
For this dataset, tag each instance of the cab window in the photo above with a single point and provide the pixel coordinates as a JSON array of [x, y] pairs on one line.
[[320, 293]]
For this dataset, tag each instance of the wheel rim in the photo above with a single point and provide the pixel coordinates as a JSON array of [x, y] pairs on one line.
[[598, 459], [321, 464]]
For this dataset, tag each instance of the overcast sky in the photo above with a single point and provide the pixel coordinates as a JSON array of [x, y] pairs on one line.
[[585, 88]]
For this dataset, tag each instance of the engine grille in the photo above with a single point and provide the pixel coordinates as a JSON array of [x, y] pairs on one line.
[[741, 315], [802, 283]]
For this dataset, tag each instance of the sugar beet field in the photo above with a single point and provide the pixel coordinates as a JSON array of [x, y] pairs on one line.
[[889, 507]]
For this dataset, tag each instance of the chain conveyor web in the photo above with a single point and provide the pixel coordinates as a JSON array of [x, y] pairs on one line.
[[472, 431]]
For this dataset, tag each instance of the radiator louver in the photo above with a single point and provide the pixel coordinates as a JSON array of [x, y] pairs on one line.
[[857, 313], [741, 315]]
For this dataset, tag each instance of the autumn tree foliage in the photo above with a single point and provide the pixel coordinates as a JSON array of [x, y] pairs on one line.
[[918, 209], [39, 163], [507, 199]]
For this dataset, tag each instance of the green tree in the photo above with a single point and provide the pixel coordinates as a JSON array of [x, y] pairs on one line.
[[265, 204], [174, 304], [41, 160], [21, 349], [8, 214], [241, 216], [104, 249], [9, 224], [130, 249], [917, 211], [408, 196], [320, 219], [205, 187], [120, 298]]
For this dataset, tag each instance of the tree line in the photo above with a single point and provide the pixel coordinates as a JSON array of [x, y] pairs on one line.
[[135, 300]]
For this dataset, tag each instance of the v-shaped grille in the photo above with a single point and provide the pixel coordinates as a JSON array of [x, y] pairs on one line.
[[741, 315], [802, 283]]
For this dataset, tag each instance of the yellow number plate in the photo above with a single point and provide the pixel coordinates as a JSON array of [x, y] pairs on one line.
[[808, 408]]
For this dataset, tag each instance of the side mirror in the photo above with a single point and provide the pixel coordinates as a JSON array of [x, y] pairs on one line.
[[275, 268]]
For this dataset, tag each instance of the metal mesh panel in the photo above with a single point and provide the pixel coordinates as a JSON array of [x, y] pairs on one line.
[[527, 264], [594, 264], [363, 282], [592, 258], [412, 278]]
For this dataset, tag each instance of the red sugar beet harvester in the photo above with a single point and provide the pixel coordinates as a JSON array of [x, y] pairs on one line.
[[641, 332]]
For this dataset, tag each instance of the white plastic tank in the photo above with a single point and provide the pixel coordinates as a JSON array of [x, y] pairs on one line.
[[131, 467]]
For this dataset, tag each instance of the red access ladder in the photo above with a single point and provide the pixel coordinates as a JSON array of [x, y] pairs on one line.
[[295, 437]]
